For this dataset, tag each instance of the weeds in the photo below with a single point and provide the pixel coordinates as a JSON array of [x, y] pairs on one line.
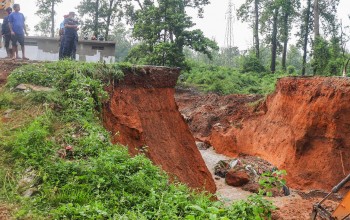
[[272, 180]]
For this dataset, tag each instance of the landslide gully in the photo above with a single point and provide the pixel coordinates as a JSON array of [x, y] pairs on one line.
[[303, 127], [143, 115]]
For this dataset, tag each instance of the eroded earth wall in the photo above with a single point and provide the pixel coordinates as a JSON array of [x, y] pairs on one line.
[[143, 115], [303, 127]]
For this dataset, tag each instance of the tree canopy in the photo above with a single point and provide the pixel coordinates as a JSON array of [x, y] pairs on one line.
[[162, 29]]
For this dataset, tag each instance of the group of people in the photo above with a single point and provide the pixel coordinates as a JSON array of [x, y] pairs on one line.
[[13, 30]]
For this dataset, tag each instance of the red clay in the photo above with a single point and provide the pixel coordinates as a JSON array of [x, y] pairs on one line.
[[302, 127], [143, 113], [5, 68]]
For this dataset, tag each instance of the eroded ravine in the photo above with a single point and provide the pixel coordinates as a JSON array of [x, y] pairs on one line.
[[302, 127]]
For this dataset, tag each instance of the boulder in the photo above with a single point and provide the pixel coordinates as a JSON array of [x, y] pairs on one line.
[[236, 178]]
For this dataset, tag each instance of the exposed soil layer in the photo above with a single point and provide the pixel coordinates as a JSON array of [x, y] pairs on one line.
[[303, 127], [144, 116], [5, 69]]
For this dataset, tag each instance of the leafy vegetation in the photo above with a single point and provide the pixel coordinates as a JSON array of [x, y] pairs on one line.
[[271, 180], [76, 173], [163, 29], [226, 80]]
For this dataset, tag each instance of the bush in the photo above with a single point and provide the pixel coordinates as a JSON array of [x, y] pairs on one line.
[[290, 70], [252, 64]]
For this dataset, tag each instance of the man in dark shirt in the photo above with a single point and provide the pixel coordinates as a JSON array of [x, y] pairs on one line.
[[6, 33], [18, 29], [70, 36]]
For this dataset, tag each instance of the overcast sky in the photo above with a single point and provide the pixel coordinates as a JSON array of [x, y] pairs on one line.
[[213, 24]]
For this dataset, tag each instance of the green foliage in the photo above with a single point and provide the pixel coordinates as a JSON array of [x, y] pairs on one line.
[[334, 67], [327, 58], [225, 80], [6, 99], [31, 147], [321, 55], [290, 70], [294, 58], [99, 16], [252, 64], [256, 207], [95, 180], [271, 180], [163, 29], [46, 11]]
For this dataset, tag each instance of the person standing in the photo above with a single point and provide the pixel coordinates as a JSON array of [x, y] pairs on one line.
[[61, 33], [6, 33], [70, 36], [18, 29]]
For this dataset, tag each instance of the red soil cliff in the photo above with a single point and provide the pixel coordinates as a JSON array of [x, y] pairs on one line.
[[144, 116], [303, 127]]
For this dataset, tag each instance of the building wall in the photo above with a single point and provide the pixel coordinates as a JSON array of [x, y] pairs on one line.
[[46, 49]]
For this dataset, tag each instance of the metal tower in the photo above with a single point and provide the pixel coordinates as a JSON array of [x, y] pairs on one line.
[[229, 37]]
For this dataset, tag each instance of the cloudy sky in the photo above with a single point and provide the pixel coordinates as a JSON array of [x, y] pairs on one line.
[[213, 24]]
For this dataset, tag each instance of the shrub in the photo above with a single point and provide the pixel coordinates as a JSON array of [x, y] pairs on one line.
[[290, 70], [252, 64]]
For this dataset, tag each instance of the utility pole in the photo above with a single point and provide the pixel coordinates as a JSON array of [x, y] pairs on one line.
[[229, 37]]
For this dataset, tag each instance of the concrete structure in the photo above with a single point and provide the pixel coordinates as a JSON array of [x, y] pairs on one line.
[[46, 49]]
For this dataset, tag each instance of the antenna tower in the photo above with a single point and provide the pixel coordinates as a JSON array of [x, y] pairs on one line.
[[229, 37]]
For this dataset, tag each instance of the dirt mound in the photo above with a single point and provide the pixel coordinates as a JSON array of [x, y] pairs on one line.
[[143, 115], [303, 127]]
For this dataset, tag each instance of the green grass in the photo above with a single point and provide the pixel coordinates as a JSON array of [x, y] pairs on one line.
[[97, 180]]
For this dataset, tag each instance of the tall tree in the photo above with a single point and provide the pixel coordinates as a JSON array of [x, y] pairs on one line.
[[46, 11], [99, 16], [274, 40], [319, 20], [290, 10], [305, 29], [249, 12], [163, 30], [316, 19], [323, 51], [269, 23]]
